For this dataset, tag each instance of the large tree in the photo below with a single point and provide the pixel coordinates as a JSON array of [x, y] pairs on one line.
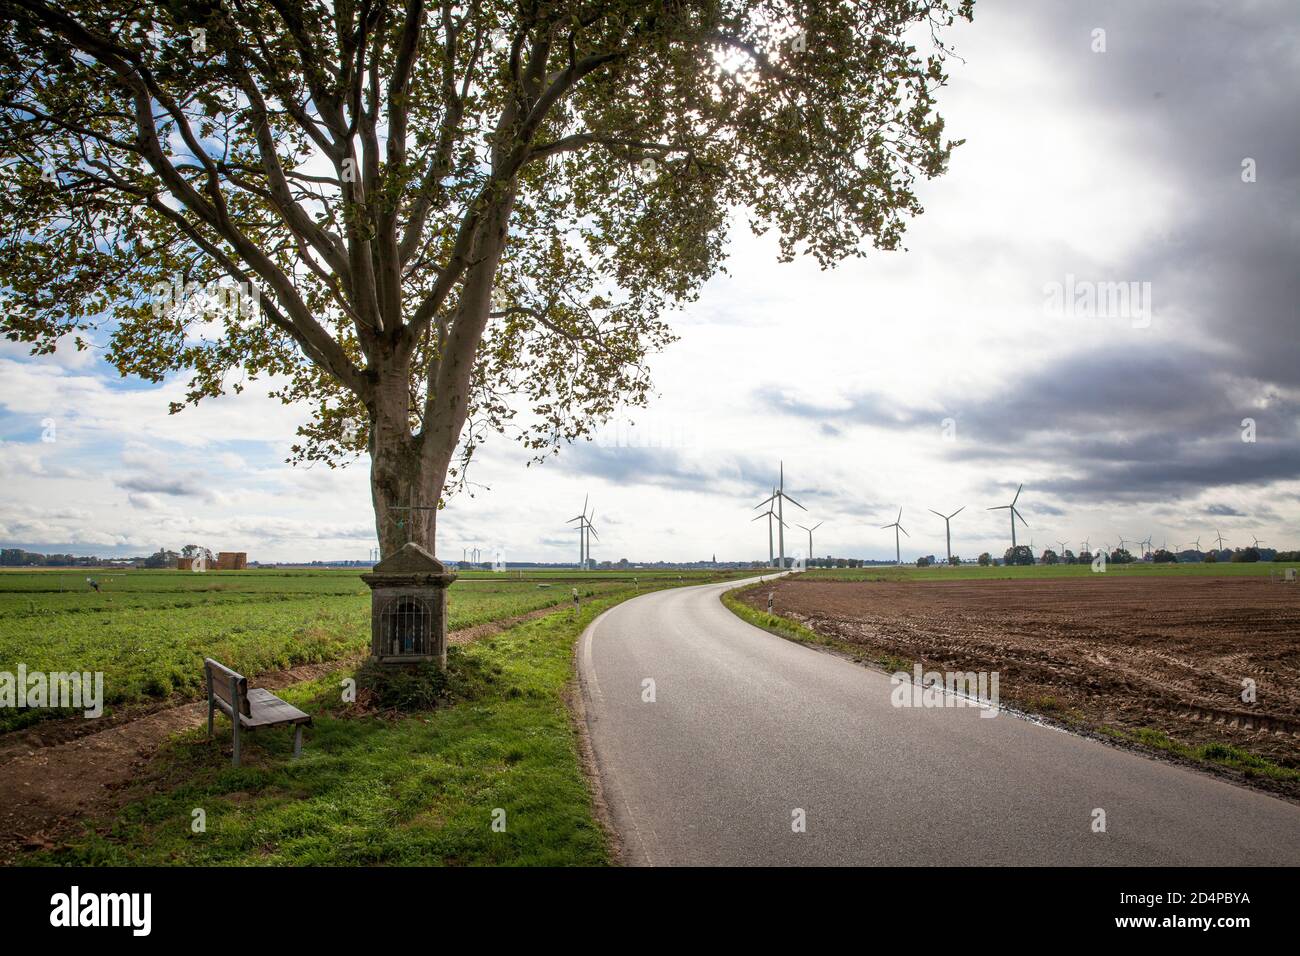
[[446, 219]]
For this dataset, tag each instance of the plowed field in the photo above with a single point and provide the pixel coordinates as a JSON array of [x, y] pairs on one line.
[[1131, 654]]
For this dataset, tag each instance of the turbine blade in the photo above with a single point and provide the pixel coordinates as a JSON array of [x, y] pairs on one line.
[[957, 512], [817, 525], [1017, 497], [904, 530], [792, 501], [933, 512]]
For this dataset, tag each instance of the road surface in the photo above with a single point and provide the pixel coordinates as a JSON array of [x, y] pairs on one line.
[[748, 734]]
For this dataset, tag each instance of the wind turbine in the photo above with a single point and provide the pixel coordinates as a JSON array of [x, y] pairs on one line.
[[769, 514], [591, 532], [582, 533], [1198, 542], [1220, 537], [810, 531], [1122, 541], [1087, 545], [947, 528], [1147, 545], [1061, 554], [1014, 514], [1257, 542], [779, 497], [897, 526]]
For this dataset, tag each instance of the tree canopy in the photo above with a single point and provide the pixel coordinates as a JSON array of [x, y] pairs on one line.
[[442, 220]]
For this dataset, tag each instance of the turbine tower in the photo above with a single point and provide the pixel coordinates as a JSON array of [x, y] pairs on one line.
[[810, 531], [947, 528], [897, 526], [778, 498], [1014, 514], [769, 514], [582, 533], [591, 533]]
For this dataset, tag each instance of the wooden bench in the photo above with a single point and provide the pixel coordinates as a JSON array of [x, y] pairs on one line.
[[248, 709]]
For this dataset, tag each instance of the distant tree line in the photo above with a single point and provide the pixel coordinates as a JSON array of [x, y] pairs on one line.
[[18, 558]]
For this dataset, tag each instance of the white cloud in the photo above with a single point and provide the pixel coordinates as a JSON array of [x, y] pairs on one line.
[[1072, 165]]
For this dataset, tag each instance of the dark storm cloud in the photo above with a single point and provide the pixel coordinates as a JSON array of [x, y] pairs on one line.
[[662, 467], [1112, 423], [747, 478], [1224, 511], [1208, 85], [177, 485]]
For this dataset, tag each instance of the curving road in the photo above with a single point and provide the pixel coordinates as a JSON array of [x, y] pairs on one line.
[[746, 728]]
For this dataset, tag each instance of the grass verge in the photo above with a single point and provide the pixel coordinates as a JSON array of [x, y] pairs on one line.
[[423, 788], [1214, 754], [794, 631]]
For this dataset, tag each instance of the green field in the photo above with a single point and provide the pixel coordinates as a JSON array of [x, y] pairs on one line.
[[148, 631], [420, 789], [972, 572], [370, 788]]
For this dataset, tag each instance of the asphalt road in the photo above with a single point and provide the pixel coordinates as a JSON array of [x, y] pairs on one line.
[[746, 729]]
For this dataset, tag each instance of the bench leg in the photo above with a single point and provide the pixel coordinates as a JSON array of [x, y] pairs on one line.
[[235, 722], [212, 705], [297, 740]]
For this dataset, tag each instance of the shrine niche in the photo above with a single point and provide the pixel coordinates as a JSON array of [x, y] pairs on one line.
[[408, 607]]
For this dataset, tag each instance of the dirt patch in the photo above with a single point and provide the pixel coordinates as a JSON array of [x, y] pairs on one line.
[[1126, 653], [62, 771]]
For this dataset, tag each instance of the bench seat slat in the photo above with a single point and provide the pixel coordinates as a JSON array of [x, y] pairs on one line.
[[267, 710]]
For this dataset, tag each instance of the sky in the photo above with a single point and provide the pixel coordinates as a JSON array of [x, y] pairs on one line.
[[938, 377]]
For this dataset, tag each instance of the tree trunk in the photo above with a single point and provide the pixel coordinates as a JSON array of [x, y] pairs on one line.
[[406, 476], [407, 472]]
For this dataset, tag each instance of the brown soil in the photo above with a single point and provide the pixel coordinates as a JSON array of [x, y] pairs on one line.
[[1125, 653], [61, 771]]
